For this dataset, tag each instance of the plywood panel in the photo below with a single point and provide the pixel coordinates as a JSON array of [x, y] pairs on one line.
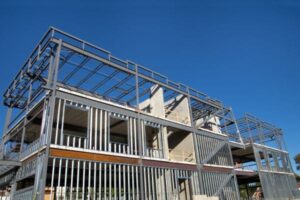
[[91, 156]]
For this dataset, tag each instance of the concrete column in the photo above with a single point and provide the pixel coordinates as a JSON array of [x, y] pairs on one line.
[[155, 102], [165, 142]]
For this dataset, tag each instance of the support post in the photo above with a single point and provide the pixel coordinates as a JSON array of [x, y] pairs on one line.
[[197, 157], [40, 181], [26, 113], [237, 187], [139, 130]]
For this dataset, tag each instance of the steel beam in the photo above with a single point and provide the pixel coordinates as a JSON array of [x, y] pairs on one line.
[[10, 163]]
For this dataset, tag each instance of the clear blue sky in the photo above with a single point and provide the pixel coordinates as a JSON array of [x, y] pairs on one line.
[[245, 53]]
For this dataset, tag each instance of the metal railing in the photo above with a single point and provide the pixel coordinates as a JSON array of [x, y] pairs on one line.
[[119, 147], [83, 143], [154, 153], [11, 155], [246, 166], [27, 169], [32, 147], [75, 141]]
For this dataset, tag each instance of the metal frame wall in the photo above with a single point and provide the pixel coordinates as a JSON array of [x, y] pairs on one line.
[[46, 66], [65, 71], [78, 179], [272, 160], [221, 180], [275, 172]]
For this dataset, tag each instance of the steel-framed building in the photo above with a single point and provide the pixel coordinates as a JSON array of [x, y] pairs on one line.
[[83, 124]]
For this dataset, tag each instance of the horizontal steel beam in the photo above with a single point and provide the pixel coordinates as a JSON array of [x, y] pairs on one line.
[[10, 163]]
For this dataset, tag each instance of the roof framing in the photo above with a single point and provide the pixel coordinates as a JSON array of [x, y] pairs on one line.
[[95, 71]]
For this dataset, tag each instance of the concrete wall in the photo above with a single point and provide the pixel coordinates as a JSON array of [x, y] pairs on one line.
[[180, 112], [156, 102], [184, 150], [178, 109]]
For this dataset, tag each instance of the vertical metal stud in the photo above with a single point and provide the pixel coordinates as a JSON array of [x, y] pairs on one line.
[[145, 183], [119, 182], [105, 130], [59, 175], [100, 130], [132, 182], [96, 130], [89, 180], [72, 177], [100, 181], [57, 121], [137, 182], [153, 183], [95, 181], [128, 182], [149, 183], [135, 136], [66, 177], [124, 180], [90, 129], [105, 179], [110, 176], [52, 177], [115, 181], [83, 180], [130, 136], [62, 123], [78, 179]]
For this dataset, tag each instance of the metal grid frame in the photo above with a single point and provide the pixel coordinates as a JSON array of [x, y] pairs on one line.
[[122, 82], [95, 71], [254, 130]]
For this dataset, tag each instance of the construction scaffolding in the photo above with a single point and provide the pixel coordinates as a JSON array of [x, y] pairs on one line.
[[83, 124]]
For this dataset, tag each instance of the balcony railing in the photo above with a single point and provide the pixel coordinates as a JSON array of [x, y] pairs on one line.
[[154, 153], [246, 166], [11, 155], [82, 143], [27, 169], [32, 147], [75, 141], [113, 147], [119, 147]]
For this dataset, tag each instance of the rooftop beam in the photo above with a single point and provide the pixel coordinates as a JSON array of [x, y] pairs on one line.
[[119, 67]]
